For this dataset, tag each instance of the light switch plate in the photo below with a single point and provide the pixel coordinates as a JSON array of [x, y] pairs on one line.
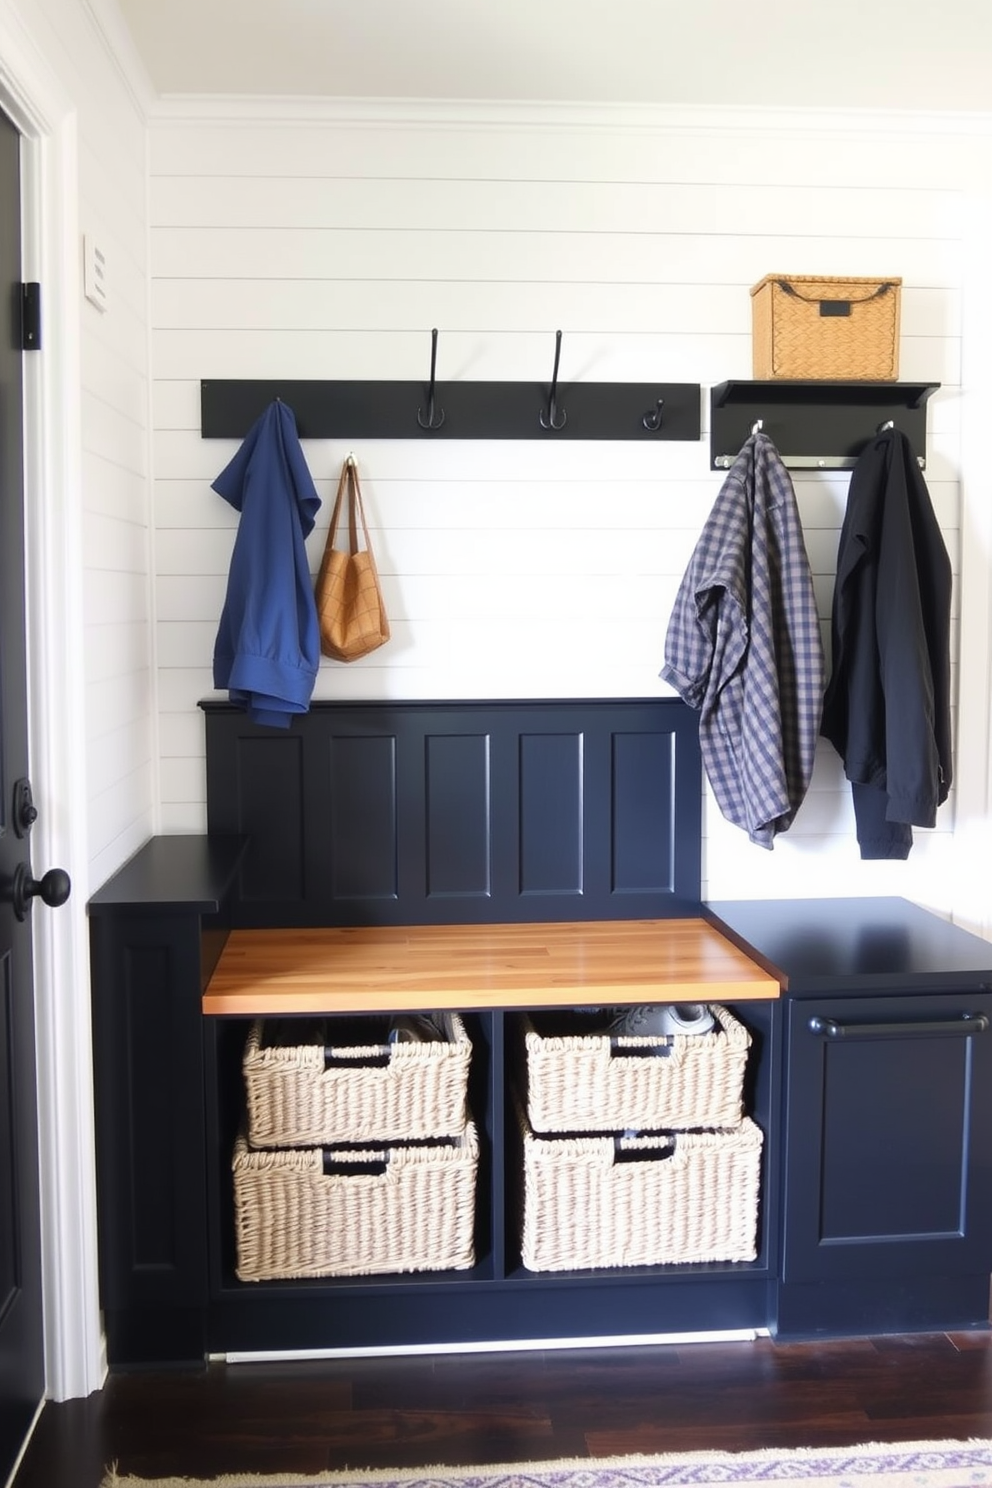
[[95, 285]]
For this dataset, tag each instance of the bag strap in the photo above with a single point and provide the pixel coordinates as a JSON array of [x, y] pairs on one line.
[[349, 483], [882, 289]]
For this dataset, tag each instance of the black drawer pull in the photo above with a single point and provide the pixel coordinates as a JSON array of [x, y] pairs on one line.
[[961, 1027]]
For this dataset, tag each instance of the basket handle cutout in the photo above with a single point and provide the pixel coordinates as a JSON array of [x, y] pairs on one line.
[[623, 1154], [354, 1167], [663, 1049], [338, 1059], [667, 1047]]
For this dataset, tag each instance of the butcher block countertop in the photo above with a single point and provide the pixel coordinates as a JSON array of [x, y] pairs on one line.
[[464, 967]]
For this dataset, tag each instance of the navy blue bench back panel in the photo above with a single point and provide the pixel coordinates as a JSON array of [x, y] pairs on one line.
[[461, 812]]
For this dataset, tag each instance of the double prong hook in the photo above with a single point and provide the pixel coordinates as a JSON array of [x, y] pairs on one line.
[[554, 417], [435, 415]]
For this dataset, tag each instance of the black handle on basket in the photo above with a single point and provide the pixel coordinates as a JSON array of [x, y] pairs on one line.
[[962, 1027], [353, 1167], [832, 307]]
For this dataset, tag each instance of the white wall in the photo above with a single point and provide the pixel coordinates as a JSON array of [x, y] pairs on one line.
[[110, 469], [323, 242]]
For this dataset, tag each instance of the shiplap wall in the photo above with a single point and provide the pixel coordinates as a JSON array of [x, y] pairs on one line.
[[298, 245], [114, 495]]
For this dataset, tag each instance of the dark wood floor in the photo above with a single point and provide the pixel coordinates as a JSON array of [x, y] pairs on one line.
[[477, 1408]]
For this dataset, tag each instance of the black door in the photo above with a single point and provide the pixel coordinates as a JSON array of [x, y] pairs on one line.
[[22, 1374]]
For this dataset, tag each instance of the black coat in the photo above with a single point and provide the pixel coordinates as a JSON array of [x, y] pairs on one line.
[[887, 704]]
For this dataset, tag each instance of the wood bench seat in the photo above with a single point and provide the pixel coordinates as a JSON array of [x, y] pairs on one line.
[[404, 968]]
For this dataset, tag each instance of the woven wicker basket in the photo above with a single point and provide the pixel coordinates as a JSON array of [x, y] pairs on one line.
[[586, 1206], [379, 1211], [825, 327], [592, 1082], [313, 1093]]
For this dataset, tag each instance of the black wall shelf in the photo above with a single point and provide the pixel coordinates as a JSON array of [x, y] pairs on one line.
[[471, 410], [816, 425]]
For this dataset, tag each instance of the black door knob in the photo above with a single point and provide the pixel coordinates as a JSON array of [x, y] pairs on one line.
[[52, 888]]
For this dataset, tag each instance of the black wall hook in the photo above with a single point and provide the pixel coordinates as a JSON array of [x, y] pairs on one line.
[[554, 417], [652, 419], [435, 416]]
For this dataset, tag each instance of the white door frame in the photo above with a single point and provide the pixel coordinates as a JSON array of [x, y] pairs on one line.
[[75, 1352]]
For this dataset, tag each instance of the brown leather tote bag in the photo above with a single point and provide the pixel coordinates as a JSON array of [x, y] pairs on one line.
[[352, 616]]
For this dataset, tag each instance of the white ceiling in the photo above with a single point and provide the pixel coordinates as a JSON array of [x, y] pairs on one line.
[[889, 54]]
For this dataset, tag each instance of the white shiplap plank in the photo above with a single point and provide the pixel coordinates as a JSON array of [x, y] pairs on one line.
[[180, 735], [183, 455], [658, 306], [520, 254], [112, 544], [114, 597], [184, 817], [107, 856], [181, 688], [119, 650], [552, 206], [181, 598], [117, 819], [662, 501], [403, 305], [184, 780], [118, 370], [117, 751], [117, 703], [184, 642], [683, 149], [112, 435], [114, 491]]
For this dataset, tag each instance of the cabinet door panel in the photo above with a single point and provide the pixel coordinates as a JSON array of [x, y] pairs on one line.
[[889, 1138], [148, 1061]]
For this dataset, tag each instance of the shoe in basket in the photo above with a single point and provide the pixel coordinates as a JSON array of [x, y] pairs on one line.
[[661, 1019], [414, 1028]]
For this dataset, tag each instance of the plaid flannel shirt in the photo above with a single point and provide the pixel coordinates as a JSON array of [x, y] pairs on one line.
[[743, 646]]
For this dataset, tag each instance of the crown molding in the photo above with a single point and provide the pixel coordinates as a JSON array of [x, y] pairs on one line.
[[577, 117]]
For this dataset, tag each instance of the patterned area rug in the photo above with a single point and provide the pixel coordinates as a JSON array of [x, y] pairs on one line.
[[944, 1464]]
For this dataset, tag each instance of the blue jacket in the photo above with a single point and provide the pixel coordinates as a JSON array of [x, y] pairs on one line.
[[268, 644]]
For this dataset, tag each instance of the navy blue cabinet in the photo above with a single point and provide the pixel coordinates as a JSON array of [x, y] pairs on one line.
[[887, 1114], [155, 929], [888, 1162]]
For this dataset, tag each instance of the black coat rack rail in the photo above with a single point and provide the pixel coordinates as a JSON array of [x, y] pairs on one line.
[[816, 425], [459, 410]]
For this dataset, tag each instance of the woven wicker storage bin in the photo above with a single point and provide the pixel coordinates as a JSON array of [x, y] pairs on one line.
[[314, 1092], [584, 1207], [825, 327], [377, 1211], [592, 1082]]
